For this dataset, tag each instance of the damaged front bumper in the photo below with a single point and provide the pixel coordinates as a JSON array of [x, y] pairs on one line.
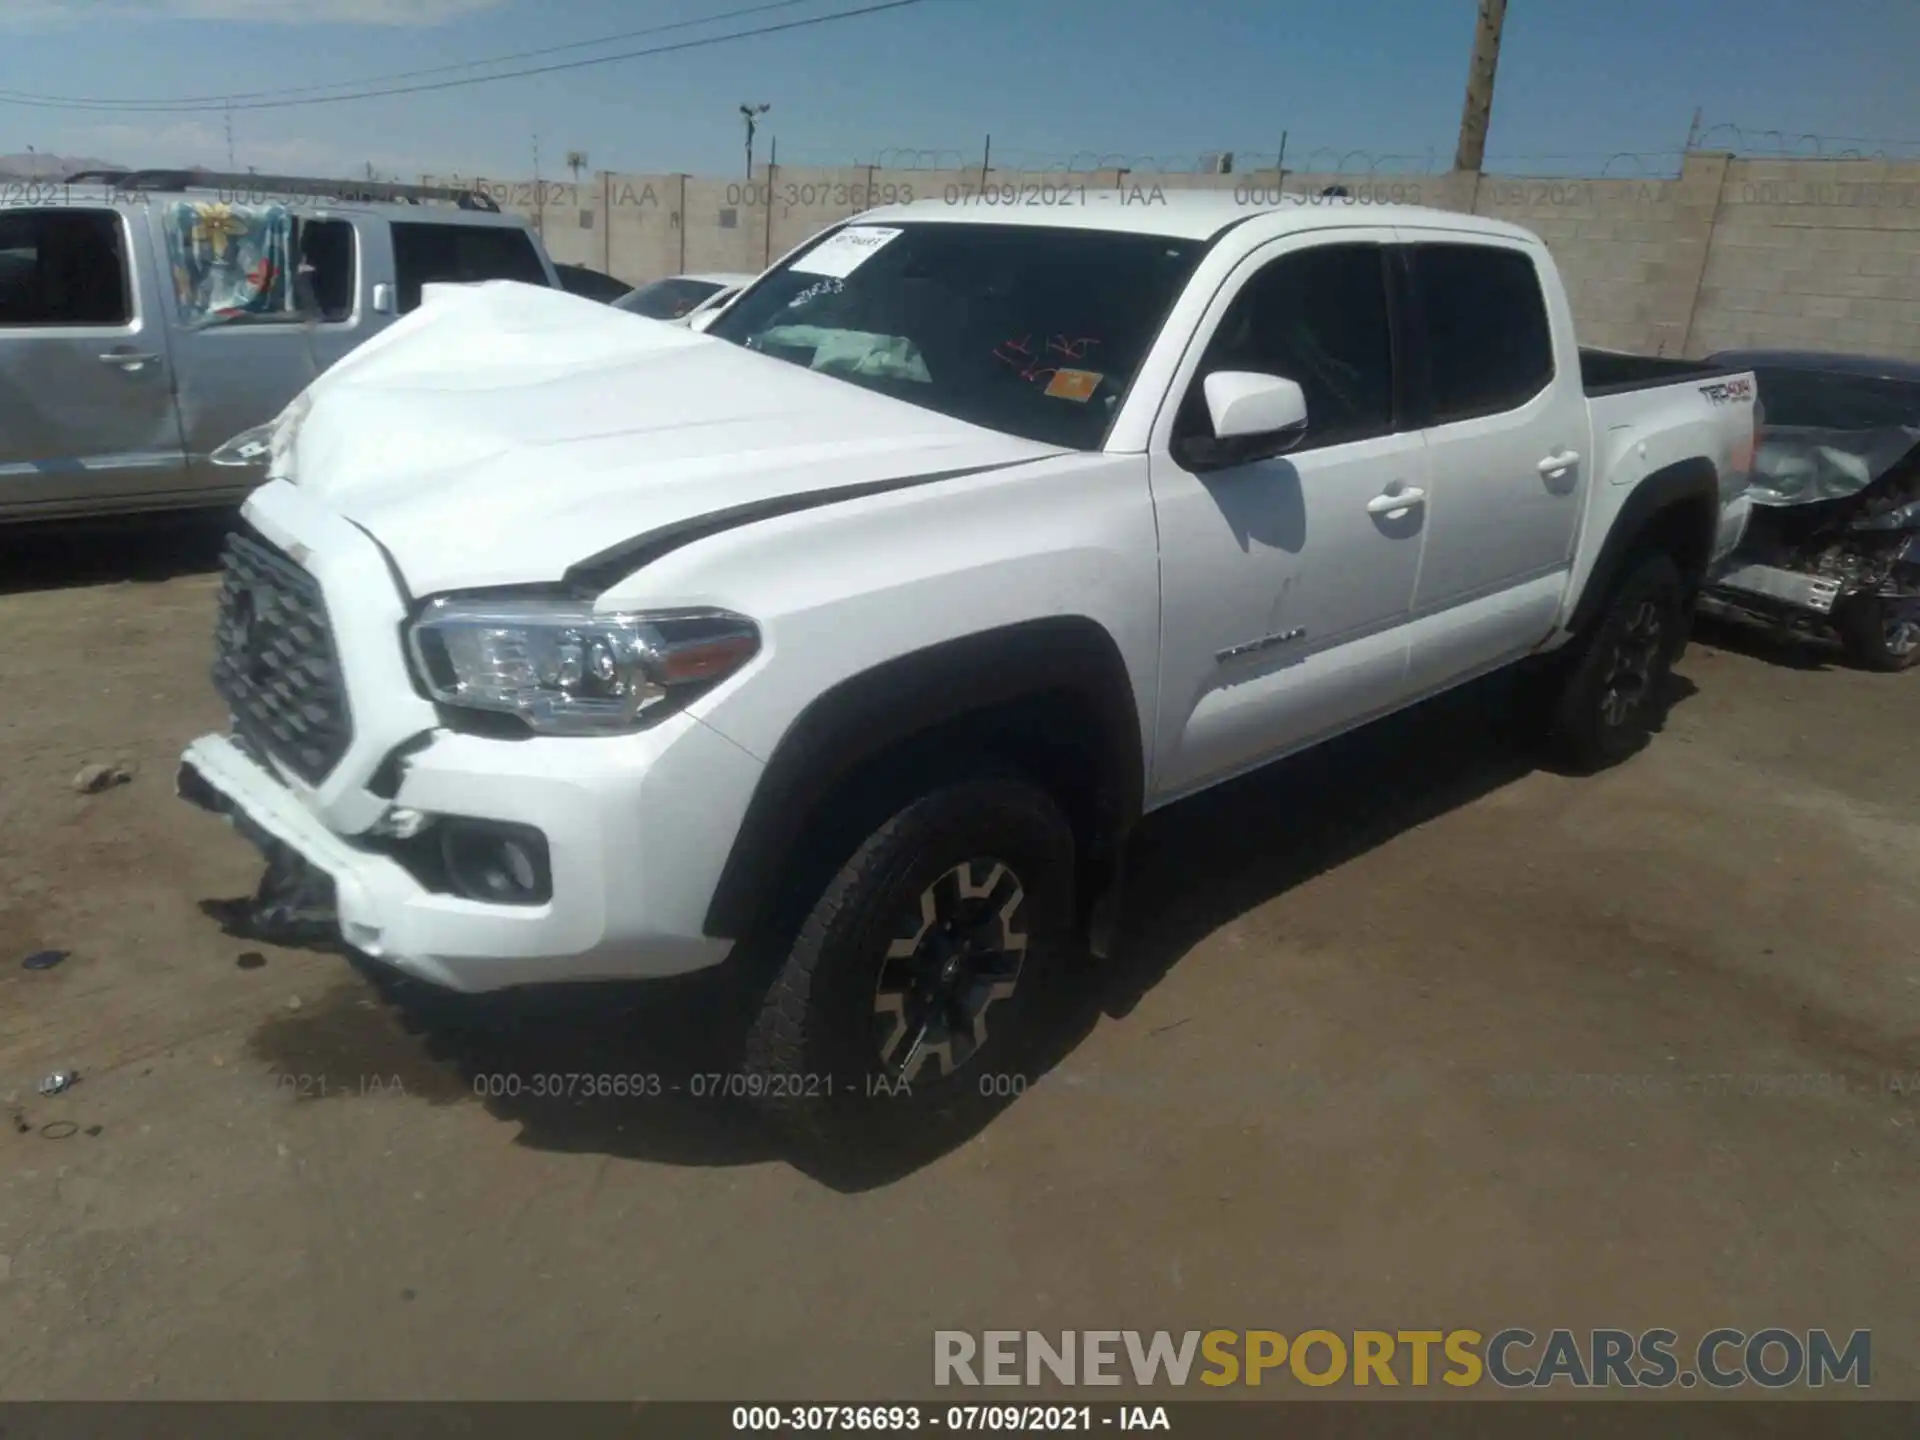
[[1836, 521], [1811, 598], [295, 902], [624, 904], [1774, 590]]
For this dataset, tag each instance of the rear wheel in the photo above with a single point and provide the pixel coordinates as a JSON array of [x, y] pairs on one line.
[[903, 1000], [1880, 633], [1614, 693]]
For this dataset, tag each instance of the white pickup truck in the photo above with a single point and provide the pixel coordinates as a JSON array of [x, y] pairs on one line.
[[848, 641]]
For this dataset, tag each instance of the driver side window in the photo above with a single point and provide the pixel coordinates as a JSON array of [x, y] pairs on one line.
[[1318, 317]]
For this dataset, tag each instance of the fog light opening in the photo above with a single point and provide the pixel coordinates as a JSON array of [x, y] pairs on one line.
[[499, 864]]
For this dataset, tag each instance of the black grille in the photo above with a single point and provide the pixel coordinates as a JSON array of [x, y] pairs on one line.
[[274, 661]]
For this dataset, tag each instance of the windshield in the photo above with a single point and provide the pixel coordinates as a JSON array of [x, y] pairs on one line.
[[1028, 330], [666, 299]]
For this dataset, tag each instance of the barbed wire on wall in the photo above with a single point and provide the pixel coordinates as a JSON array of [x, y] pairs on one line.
[[1340, 160], [1318, 160], [1008, 160], [1009, 164], [1801, 145]]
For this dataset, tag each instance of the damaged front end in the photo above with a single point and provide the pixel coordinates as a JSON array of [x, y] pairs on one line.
[[1833, 546], [294, 903]]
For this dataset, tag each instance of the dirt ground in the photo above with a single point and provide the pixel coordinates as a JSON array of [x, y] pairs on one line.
[[1318, 1087]]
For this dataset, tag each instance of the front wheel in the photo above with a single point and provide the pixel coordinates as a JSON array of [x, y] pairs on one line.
[[904, 997], [1614, 695], [1880, 633]]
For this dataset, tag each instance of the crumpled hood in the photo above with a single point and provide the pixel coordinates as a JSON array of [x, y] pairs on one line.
[[1804, 465], [503, 433]]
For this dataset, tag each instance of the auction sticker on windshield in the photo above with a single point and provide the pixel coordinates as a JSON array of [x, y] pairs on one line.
[[1074, 385], [845, 251]]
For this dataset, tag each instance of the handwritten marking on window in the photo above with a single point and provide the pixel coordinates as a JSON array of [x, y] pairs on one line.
[[1026, 361]]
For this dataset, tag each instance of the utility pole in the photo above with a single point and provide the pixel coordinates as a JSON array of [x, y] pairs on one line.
[[230, 165], [1474, 118], [1693, 130], [752, 114], [539, 194], [773, 171]]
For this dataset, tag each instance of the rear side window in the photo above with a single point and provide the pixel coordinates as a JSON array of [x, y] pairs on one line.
[[425, 253], [1489, 344], [63, 267], [327, 264]]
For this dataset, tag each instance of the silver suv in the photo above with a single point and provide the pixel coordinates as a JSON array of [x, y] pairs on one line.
[[148, 316]]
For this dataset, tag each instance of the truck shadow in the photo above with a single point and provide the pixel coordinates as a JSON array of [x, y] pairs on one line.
[[641, 1071], [61, 554]]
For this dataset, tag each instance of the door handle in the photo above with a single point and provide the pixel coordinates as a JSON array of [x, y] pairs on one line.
[[129, 359], [1554, 464], [1396, 501]]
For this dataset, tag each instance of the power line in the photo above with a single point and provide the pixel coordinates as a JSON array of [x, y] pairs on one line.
[[282, 104], [195, 101]]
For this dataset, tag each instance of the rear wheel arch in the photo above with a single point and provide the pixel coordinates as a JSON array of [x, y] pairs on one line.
[[1047, 699], [1674, 511]]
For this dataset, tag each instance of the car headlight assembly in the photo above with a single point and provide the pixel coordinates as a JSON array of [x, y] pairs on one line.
[[1904, 517], [566, 669], [265, 447]]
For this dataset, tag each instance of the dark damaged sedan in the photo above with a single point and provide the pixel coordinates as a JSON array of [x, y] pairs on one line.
[[1834, 543]]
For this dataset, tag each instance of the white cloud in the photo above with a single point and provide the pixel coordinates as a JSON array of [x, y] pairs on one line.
[[38, 13]]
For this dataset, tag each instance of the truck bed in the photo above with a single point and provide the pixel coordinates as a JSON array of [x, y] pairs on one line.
[[1614, 372]]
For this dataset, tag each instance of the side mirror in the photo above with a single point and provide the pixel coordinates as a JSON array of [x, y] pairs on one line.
[[702, 320], [383, 299], [1255, 417]]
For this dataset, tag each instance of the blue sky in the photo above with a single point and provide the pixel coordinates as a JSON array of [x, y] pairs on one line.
[[1579, 80]]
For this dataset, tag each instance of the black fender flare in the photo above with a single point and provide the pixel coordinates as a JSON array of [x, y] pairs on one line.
[[1070, 661], [1665, 503]]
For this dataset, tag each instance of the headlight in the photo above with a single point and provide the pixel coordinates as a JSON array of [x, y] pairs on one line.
[[248, 448], [566, 669], [1905, 517], [265, 445]]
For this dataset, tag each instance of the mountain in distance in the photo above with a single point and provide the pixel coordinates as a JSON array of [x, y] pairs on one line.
[[50, 167]]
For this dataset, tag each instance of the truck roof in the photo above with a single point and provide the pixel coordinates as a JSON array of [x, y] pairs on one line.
[[1174, 213], [442, 204], [107, 197]]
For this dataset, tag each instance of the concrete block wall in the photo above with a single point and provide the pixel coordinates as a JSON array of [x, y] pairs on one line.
[[1631, 251], [1816, 255], [1797, 253]]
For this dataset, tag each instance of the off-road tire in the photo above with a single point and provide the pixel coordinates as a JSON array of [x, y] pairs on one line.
[[811, 1061], [1863, 626], [1593, 721]]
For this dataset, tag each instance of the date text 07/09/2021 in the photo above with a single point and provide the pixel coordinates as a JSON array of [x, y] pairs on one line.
[[714, 1084], [699, 1085], [590, 1085], [823, 1419]]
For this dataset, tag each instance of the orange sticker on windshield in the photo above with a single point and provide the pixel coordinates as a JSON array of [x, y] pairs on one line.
[[1074, 384]]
